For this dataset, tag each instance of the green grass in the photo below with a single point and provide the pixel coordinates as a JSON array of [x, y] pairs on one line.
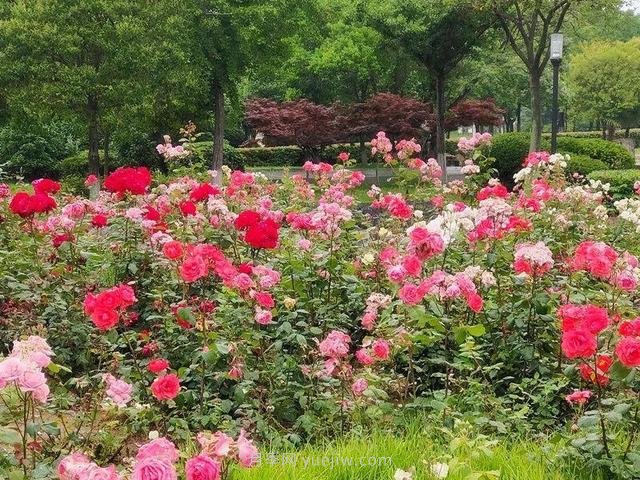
[[380, 455]]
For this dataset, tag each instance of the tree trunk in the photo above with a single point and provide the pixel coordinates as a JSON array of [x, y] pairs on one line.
[[107, 155], [536, 112], [94, 135], [519, 117], [218, 128], [440, 110], [364, 156]]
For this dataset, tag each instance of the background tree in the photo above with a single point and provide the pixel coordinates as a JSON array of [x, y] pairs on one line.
[[605, 83], [527, 25], [438, 35], [86, 60]]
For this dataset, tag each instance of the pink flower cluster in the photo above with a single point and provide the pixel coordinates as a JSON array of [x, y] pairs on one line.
[[23, 367], [445, 286], [604, 263], [395, 204], [533, 259], [77, 466], [382, 145], [536, 158], [221, 447], [375, 303], [475, 141]]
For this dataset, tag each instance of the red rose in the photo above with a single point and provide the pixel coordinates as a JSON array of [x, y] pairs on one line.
[[263, 234], [152, 214], [246, 219], [158, 365], [265, 300], [628, 352], [99, 220], [203, 191], [172, 249], [61, 238], [166, 387], [579, 343], [21, 204], [42, 203], [188, 208], [104, 318], [475, 302], [128, 179], [193, 268], [45, 185]]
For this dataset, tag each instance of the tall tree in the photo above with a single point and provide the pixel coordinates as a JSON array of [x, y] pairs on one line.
[[229, 37], [90, 60], [527, 25], [605, 83], [438, 35]]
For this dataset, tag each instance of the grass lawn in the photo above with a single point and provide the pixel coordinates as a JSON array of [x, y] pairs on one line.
[[381, 455]]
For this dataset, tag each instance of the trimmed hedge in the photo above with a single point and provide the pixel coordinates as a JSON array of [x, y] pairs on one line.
[[614, 155], [621, 181], [510, 149], [583, 164]]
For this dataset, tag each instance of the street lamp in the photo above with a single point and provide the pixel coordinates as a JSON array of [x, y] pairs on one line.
[[555, 55]]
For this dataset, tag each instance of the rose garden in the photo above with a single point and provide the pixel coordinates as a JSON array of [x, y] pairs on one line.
[[396, 283]]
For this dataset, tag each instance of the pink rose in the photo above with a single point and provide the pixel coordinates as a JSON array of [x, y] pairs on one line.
[[158, 448], [381, 349], [118, 391], [579, 343], [95, 472], [11, 369], [71, 466], [202, 468], [154, 469], [359, 386], [628, 352], [247, 452], [31, 380]]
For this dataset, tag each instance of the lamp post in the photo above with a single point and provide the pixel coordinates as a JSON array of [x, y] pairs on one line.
[[555, 55]]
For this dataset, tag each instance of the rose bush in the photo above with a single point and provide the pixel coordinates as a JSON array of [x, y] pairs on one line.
[[225, 302]]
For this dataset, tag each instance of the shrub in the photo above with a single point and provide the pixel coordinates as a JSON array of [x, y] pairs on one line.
[[140, 151], [509, 150], [33, 155], [583, 164], [621, 181], [78, 164], [614, 155], [271, 156]]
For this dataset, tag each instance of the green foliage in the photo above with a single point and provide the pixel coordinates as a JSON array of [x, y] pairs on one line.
[[33, 155], [583, 164], [621, 181], [510, 149], [605, 82], [611, 153]]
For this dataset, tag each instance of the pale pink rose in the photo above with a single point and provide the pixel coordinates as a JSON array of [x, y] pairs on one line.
[[304, 244], [31, 380], [11, 369], [359, 386], [248, 454], [153, 468], [72, 465], [158, 448], [118, 390], [217, 445], [41, 393], [263, 317], [101, 473], [34, 349]]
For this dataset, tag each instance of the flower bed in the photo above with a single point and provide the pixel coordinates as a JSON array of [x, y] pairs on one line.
[[207, 311]]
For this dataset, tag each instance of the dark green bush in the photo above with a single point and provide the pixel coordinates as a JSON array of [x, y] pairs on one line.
[[78, 164], [203, 152], [621, 181], [583, 164], [509, 150], [611, 153], [32, 155], [271, 156], [140, 150]]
